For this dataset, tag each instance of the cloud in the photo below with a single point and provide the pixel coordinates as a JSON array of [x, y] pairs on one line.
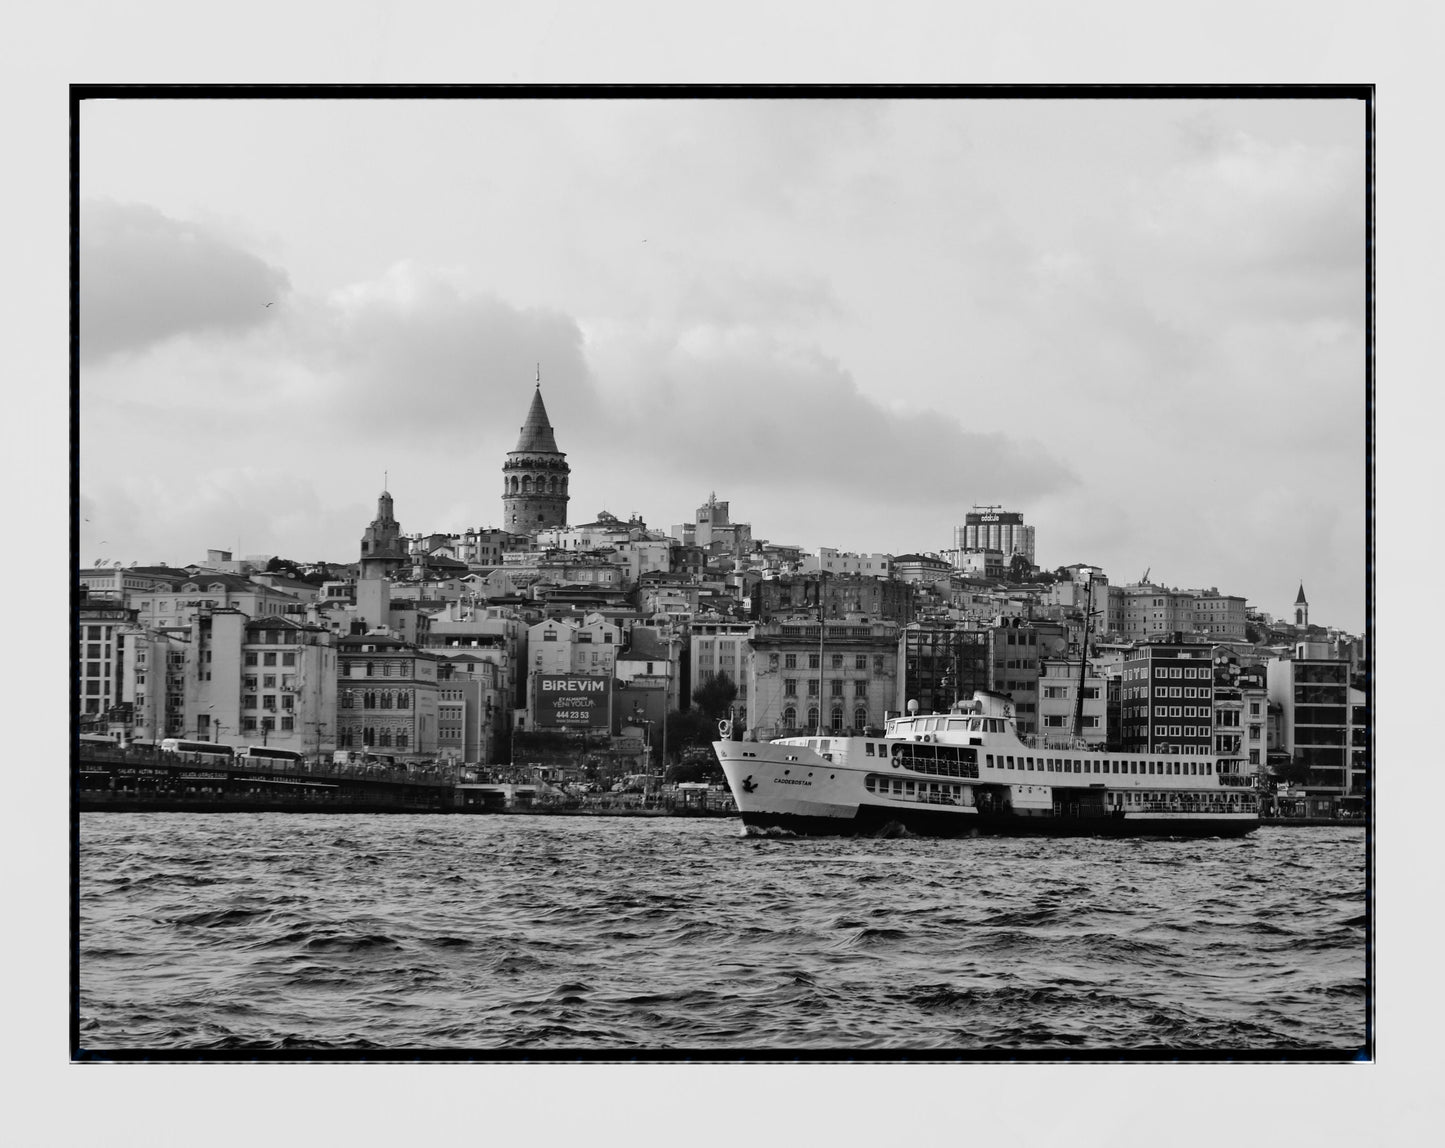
[[744, 408], [420, 350], [145, 278], [1249, 229]]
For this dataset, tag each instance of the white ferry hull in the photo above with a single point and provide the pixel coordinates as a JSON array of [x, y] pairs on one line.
[[793, 788]]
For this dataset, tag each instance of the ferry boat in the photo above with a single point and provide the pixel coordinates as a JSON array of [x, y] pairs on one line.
[[969, 772]]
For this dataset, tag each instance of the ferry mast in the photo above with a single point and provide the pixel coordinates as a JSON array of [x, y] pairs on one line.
[[822, 624], [1083, 661]]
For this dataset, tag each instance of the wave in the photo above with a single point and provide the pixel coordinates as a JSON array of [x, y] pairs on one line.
[[289, 1041], [221, 918], [351, 943], [599, 934], [872, 935]]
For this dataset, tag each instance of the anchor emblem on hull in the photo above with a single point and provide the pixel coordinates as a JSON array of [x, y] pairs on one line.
[[749, 784]]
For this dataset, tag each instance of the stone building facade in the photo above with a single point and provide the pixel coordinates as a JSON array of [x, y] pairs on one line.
[[534, 477]]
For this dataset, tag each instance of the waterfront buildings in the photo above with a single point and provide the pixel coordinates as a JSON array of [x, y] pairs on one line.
[[100, 657], [471, 708], [848, 682], [1059, 686], [1014, 664], [268, 680], [648, 681], [387, 697], [1318, 712], [1167, 699], [939, 665], [438, 644]]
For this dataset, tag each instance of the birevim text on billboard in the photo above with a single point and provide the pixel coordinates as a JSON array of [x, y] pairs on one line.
[[574, 700]]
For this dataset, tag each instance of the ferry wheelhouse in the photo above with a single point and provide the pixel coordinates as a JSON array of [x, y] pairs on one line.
[[969, 771]]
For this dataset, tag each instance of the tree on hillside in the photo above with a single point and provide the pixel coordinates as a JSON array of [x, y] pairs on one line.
[[1019, 569], [715, 696], [279, 565]]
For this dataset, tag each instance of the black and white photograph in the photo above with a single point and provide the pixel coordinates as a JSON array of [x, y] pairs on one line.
[[725, 574], [679, 573]]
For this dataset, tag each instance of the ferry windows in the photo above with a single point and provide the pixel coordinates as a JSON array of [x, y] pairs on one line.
[[1010, 761], [868, 749], [1133, 767]]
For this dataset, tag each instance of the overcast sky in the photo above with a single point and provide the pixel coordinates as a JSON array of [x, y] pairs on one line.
[[1140, 323]]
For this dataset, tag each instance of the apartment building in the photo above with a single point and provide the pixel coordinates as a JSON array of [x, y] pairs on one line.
[[1317, 718], [259, 681], [100, 661], [1059, 686], [387, 697], [939, 665], [1014, 663], [849, 682], [1167, 699]]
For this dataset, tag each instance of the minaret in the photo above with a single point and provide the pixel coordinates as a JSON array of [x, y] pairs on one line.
[[1301, 608], [383, 549], [534, 477]]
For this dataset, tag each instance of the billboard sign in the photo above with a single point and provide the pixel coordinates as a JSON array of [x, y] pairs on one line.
[[1005, 519], [573, 700]]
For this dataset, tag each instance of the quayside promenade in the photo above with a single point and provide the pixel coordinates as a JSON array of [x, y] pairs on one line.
[[143, 778]]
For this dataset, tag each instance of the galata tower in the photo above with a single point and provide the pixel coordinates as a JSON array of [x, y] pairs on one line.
[[534, 477]]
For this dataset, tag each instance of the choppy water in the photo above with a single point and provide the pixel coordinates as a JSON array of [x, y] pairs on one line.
[[513, 933]]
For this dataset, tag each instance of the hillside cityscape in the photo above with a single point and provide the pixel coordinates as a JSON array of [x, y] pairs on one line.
[[603, 655]]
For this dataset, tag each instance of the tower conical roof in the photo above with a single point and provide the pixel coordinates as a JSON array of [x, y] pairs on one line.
[[537, 430], [1301, 596]]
